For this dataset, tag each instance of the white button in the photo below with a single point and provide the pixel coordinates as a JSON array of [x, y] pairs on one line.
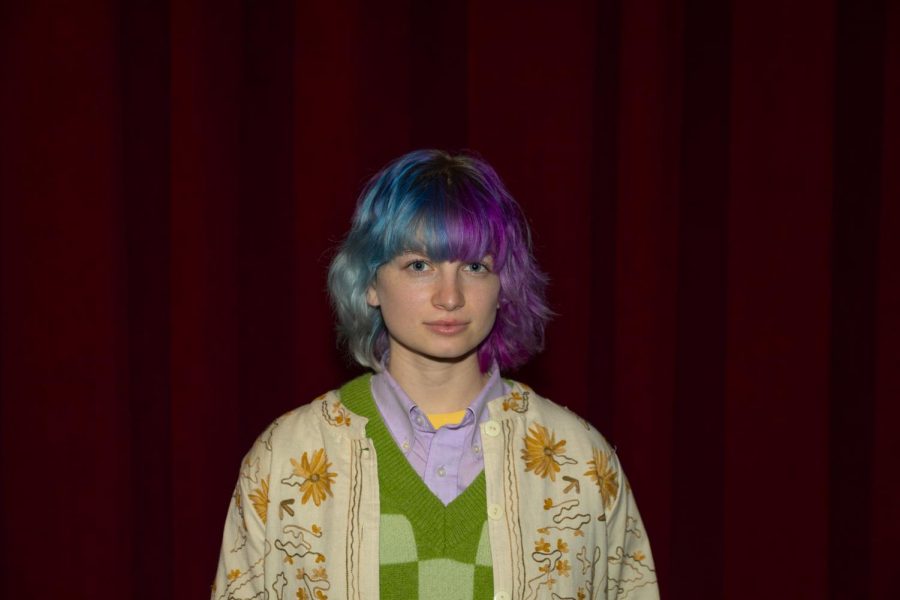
[[405, 444], [419, 420], [492, 428], [495, 511], [501, 596], [476, 449], [441, 471]]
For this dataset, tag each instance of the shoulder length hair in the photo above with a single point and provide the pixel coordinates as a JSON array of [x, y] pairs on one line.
[[449, 207]]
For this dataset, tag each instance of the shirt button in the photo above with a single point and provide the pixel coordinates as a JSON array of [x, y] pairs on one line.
[[419, 420], [476, 449], [495, 511], [492, 428], [405, 445], [501, 596], [441, 471]]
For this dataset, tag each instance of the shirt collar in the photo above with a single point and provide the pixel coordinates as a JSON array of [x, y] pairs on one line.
[[402, 413]]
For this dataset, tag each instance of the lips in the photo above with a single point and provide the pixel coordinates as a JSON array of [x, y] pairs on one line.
[[446, 327]]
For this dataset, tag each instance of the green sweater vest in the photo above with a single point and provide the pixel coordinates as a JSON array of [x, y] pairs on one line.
[[427, 550]]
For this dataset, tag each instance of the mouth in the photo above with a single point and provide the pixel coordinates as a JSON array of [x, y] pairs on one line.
[[446, 327]]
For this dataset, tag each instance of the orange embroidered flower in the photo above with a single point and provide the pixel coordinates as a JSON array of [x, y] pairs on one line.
[[317, 480], [234, 574], [316, 530], [260, 499], [604, 476], [301, 594], [548, 503], [561, 545], [541, 546], [320, 595], [563, 568], [541, 452], [638, 556]]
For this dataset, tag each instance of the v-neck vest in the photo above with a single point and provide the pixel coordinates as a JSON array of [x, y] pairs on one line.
[[426, 549]]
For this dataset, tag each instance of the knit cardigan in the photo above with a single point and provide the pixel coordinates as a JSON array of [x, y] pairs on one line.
[[303, 521]]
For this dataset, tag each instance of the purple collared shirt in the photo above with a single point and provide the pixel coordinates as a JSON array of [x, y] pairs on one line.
[[447, 459]]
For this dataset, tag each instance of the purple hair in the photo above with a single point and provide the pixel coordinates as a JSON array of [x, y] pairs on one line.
[[451, 207]]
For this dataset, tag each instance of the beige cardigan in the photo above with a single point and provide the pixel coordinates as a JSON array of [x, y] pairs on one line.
[[304, 518]]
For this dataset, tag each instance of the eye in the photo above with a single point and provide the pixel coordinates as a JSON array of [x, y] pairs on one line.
[[477, 267], [417, 265]]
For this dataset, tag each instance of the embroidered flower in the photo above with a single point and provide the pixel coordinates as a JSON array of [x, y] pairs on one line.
[[563, 568], [604, 476], [542, 453], [317, 480], [260, 499], [541, 546], [233, 574]]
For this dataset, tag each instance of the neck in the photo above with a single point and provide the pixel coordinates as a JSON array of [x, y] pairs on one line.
[[438, 387]]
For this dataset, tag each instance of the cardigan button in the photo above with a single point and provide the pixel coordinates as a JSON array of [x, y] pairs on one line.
[[492, 428], [495, 511], [501, 596]]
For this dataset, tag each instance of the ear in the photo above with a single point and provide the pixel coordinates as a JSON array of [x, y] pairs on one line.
[[372, 296]]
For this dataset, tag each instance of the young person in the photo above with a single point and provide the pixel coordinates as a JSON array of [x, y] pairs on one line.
[[433, 477]]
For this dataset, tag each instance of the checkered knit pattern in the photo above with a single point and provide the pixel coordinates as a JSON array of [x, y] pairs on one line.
[[427, 550]]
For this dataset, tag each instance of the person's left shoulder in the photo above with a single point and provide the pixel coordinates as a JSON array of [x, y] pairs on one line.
[[552, 419]]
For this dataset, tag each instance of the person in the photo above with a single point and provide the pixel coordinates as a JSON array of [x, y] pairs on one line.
[[433, 476]]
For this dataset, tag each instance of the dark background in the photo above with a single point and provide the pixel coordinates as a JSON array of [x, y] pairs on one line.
[[713, 187]]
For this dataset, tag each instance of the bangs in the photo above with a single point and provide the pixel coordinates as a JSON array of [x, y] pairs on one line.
[[447, 221]]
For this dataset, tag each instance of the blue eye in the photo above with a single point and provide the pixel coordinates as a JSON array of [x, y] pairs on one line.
[[476, 267], [417, 265]]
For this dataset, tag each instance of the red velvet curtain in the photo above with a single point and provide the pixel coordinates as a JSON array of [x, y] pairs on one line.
[[713, 188]]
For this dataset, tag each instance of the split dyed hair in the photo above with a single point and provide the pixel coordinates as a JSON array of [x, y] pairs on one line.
[[450, 208]]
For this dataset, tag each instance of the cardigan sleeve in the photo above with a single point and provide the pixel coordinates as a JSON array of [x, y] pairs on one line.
[[241, 569], [631, 572]]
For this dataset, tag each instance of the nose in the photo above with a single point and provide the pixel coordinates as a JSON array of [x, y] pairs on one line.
[[448, 293]]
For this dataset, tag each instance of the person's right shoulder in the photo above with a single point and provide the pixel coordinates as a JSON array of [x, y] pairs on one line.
[[324, 417]]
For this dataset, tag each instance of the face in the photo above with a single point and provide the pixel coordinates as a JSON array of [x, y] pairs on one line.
[[436, 310]]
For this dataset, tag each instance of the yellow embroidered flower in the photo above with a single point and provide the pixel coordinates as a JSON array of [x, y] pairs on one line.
[[561, 545], [320, 558], [638, 556], [260, 499], [301, 574], [320, 573], [301, 594], [316, 478], [548, 503], [581, 594], [604, 476], [234, 574], [320, 595], [541, 546], [563, 568], [316, 530], [541, 452]]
